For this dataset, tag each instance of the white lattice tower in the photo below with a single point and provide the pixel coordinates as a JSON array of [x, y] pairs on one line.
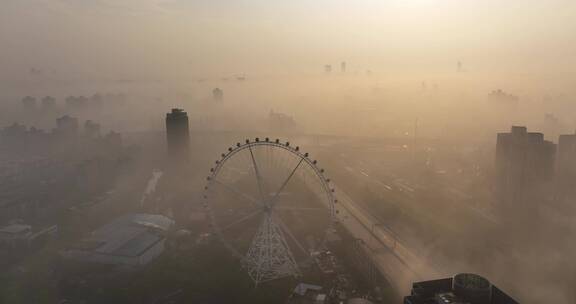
[[269, 256]]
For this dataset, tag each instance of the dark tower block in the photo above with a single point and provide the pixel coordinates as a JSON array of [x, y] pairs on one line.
[[48, 103], [66, 127], [29, 103], [91, 129], [177, 135], [524, 167], [566, 169]]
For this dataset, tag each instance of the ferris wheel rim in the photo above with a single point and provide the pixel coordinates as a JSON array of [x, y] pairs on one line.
[[304, 157]]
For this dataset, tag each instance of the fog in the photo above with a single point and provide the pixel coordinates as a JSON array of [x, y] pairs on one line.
[[400, 101]]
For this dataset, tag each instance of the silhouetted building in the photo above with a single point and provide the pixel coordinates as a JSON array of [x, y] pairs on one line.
[[69, 101], [566, 167], [113, 141], [343, 67], [524, 164], [76, 103], [91, 129], [280, 122], [177, 134], [15, 130], [217, 94], [552, 126], [29, 103], [96, 100], [17, 139], [133, 239], [328, 69], [464, 288], [48, 103], [66, 126], [22, 236], [503, 99]]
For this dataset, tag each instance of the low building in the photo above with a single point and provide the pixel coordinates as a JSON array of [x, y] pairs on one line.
[[462, 288], [134, 239], [307, 294], [280, 122], [15, 235], [22, 236]]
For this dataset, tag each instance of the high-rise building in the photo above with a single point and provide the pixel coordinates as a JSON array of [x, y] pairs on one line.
[[343, 66], [76, 103], [566, 167], [66, 126], [524, 165], [112, 141], [48, 103], [462, 288], [29, 103], [91, 129], [328, 69], [177, 134], [96, 100], [217, 94]]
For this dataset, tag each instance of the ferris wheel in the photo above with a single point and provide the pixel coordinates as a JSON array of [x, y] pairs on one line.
[[271, 206]]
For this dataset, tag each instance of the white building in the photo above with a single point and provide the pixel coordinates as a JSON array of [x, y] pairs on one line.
[[134, 239], [22, 236], [15, 234]]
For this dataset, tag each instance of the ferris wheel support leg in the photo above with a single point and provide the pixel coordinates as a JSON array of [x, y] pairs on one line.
[[269, 256]]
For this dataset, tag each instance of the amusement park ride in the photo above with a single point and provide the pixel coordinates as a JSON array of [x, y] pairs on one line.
[[271, 206]]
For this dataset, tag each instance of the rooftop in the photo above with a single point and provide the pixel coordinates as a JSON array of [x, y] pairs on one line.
[[16, 229], [129, 235]]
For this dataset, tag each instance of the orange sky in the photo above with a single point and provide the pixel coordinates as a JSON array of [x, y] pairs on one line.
[[192, 38]]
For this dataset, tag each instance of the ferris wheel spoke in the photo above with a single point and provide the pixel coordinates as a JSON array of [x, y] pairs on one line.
[[275, 197], [237, 192], [243, 219], [286, 230], [257, 172]]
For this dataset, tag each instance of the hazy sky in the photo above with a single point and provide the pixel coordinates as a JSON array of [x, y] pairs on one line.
[[173, 38]]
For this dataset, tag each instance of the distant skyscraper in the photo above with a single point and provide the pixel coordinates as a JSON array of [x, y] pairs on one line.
[[524, 165], [566, 168], [29, 103], [343, 67], [96, 100], [113, 141], [217, 94], [91, 129], [48, 103], [66, 126], [177, 134], [328, 69], [552, 125], [75, 103], [280, 122]]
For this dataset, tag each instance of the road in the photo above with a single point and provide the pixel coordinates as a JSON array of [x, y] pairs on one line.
[[394, 259], [396, 244]]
